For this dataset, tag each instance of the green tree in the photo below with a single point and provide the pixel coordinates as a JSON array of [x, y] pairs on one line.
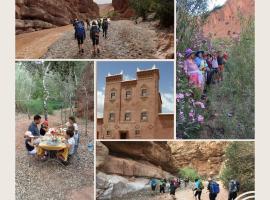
[[188, 172], [240, 165]]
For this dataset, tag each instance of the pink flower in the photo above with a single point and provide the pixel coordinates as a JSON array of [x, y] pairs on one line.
[[200, 119], [187, 94], [179, 97]]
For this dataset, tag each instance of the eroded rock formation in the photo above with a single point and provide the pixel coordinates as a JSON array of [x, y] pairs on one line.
[[122, 8], [32, 15], [225, 21]]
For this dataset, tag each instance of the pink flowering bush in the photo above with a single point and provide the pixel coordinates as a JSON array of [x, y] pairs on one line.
[[190, 109]]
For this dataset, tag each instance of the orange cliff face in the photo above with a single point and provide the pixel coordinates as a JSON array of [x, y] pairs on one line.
[[123, 8], [225, 21], [32, 15]]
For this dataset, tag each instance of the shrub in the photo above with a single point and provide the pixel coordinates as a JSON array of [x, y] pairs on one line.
[[237, 90], [240, 165], [188, 172]]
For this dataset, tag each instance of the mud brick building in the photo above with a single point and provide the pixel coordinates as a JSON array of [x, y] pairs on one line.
[[133, 109]]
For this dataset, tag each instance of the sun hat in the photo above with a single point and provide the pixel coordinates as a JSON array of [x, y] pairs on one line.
[[198, 52], [188, 52], [28, 134]]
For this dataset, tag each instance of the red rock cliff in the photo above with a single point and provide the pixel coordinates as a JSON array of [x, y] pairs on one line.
[[122, 7], [34, 15], [225, 22]]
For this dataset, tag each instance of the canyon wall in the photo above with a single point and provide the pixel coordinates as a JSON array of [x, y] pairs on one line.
[[122, 8], [32, 15], [205, 157], [225, 21]]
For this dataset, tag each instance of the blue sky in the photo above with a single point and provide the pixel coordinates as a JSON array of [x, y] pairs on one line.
[[102, 1], [129, 68], [213, 3]]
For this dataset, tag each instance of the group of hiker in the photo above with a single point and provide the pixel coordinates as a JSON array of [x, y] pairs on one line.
[[95, 27], [213, 187], [204, 68]]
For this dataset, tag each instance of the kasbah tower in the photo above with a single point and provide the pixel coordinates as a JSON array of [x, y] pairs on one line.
[[133, 108]]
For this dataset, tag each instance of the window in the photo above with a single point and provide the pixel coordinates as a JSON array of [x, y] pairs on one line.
[[128, 94], [108, 133], [111, 117], [127, 116], [144, 92], [137, 132], [113, 95], [144, 116]]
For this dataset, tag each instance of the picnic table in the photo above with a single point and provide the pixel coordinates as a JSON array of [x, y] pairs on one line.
[[54, 145]]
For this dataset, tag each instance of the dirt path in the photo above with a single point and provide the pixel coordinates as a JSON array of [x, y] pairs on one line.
[[35, 44], [38, 180], [126, 40]]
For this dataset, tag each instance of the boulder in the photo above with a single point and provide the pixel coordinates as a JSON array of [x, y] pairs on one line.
[[102, 153]]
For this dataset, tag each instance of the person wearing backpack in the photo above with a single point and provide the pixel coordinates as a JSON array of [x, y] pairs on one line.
[[198, 187], [213, 188], [162, 185], [105, 26], [80, 35], [234, 187], [94, 34], [153, 183]]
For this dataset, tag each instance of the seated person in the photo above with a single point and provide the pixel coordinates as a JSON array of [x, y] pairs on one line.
[[70, 142], [30, 143], [44, 128], [33, 128], [72, 123]]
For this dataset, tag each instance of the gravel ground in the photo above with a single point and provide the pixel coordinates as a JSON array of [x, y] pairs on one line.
[[49, 180], [125, 40]]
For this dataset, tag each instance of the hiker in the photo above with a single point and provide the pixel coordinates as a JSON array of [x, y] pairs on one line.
[[99, 23], [210, 72], [72, 124], [186, 180], [75, 22], [162, 185], [220, 65], [153, 183], [198, 187], [105, 26], [191, 68], [44, 128], [213, 188], [33, 128], [215, 68], [234, 187], [200, 62], [87, 24], [80, 35], [172, 188], [94, 35]]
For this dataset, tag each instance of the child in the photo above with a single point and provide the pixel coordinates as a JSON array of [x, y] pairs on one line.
[[29, 143], [70, 142], [44, 128], [73, 125]]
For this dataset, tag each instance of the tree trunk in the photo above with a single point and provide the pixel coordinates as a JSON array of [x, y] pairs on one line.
[[46, 92]]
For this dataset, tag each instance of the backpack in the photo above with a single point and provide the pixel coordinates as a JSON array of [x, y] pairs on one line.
[[235, 186], [214, 188], [201, 186], [80, 32], [105, 24], [94, 32]]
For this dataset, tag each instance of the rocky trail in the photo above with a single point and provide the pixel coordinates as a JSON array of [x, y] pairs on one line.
[[125, 40], [181, 194]]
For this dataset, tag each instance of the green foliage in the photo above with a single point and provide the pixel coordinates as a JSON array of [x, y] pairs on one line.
[[188, 172], [240, 165], [164, 10], [61, 80], [187, 12], [237, 90]]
